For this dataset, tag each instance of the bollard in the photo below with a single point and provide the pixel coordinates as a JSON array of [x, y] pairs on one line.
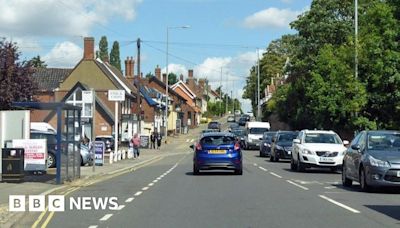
[[123, 155], [111, 157], [119, 155], [115, 156]]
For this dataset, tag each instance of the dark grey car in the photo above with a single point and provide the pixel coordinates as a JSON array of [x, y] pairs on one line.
[[373, 159], [266, 143], [282, 145]]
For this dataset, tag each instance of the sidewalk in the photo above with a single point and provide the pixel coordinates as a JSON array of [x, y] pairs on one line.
[[44, 184]]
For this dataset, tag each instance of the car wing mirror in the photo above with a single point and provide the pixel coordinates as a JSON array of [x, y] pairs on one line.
[[356, 147], [345, 142], [296, 141], [260, 138], [192, 146]]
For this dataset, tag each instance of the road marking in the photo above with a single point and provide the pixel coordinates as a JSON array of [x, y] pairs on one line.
[[151, 184], [332, 182], [187, 140], [192, 140], [330, 187], [264, 169], [120, 207], [106, 217], [255, 164], [129, 200], [159, 178], [40, 218], [145, 188], [302, 187], [339, 204], [92, 226], [274, 174], [155, 181], [138, 193], [46, 222]]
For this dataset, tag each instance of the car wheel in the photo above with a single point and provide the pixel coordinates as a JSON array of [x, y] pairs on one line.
[[51, 160], [345, 181], [239, 172], [300, 166], [334, 169], [82, 164], [292, 164], [276, 158], [363, 181], [196, 171], [271, 158]]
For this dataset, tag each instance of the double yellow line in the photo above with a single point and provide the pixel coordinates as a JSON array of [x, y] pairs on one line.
[[72, 189]]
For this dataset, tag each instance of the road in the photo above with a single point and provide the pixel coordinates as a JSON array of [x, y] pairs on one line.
[[166, 194]]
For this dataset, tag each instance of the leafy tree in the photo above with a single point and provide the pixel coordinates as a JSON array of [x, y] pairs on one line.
[[172, 78], [115, 59], [16, 82], [103, 46], [149, 75], [37, 62]]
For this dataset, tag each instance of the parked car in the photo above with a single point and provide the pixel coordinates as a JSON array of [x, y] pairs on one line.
[[217, 150], [231, 119], [108, 141], [233, 126], [373, 160], [240, 133], [242, 121], [246, 117], [282, 145], [254, 133], [214, 125], [50, 136], [266, 143], [317, 148]]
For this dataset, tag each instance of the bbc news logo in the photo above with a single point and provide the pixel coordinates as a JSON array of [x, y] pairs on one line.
[[57, 203]]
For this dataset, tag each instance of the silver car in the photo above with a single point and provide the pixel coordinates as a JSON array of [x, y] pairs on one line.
[[373, 159]]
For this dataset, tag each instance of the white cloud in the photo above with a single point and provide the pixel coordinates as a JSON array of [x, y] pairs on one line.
[[58, 18], [271, 17], [64, 54]]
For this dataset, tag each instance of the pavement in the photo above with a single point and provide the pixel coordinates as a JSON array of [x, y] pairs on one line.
[[45, 184]]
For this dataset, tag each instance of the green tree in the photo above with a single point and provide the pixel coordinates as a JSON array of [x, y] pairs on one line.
[[103, 46], [115, 59], [16, 82], [149, 75], [37, 62], [172, 78]]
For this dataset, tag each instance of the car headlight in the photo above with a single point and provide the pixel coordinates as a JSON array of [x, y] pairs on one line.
[[279, 147], [378, 163], [305, 151], [266, 144], [250, 140]]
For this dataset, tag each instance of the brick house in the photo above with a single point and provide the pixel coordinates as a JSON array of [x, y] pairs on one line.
[[191, 100], [93, 74], [199, 89]]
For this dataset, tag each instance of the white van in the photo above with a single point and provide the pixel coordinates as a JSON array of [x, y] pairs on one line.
[[255, 131]]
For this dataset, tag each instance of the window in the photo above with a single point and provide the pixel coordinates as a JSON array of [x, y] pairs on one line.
[[76, 99]]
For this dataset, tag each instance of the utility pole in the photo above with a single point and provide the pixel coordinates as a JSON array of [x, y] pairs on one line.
[[139, 100], [356, 38], [233, 103], [258, 86], [220, 92]]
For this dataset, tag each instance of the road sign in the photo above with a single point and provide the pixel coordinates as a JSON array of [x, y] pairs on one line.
[[116, 95]]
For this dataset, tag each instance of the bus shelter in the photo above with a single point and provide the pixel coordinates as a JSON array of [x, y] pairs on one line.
[[68, 119]]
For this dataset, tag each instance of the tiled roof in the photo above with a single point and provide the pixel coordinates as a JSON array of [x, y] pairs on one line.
[[48, 79]]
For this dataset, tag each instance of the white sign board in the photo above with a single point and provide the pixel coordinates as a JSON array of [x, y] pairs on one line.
[[87, 96], [35, 153], [116, 95]]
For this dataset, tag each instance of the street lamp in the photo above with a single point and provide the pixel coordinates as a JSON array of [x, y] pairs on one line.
[[166, 80], [258, 86]]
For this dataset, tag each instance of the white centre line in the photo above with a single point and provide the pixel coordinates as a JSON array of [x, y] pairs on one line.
[[339, 204], [106, 217], [192, 140], [151, 184], [330, 187], [138, 193], [255, 164], [129, 200], [145, 188], [264, 169], [120, 207], [155, 181], [300, 186], [92, 226], [274, 174]]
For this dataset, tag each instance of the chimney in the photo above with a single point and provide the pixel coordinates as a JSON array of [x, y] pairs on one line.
[[190, 81], [181, 77], [88, 48], [127, 68], [190, 73], [158, 72], [132, 67], [164, 78]]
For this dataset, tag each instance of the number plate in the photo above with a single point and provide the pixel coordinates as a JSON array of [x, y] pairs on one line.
[[326, 159], [217, 151], [398, 173]]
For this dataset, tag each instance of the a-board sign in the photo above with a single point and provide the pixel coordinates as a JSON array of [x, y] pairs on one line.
[[144, 141], [99, 148], [35, 154]]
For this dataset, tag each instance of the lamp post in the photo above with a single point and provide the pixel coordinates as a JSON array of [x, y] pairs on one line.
[[166, 80], [258, 87]]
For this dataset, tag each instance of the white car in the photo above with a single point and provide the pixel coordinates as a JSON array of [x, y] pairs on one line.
[[314, 148]]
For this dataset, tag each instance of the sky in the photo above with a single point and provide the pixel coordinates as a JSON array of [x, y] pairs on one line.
[[222, 35]]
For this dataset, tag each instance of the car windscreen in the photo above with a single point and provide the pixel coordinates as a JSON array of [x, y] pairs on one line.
[[217, 140], [238, 133], [322, 138], [268, 135], [213, 125], [383, 141], [257, 130], [287, 137]]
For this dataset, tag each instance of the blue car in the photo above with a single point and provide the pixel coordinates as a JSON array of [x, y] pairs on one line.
[[217, 150]]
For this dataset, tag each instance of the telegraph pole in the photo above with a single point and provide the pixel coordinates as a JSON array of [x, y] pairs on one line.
[[220, 91], [258, 87], [138, 100]]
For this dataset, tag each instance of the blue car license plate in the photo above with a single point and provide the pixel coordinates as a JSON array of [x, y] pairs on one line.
[[217, 151]]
